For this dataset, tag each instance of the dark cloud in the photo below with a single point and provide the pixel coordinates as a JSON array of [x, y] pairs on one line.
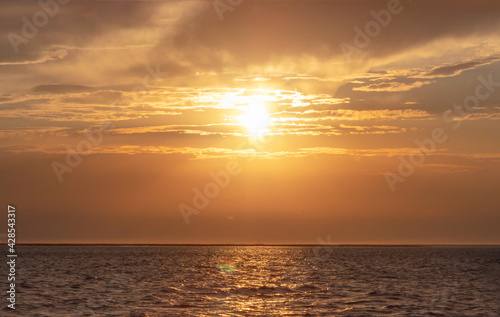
[[99, 97], [255, 33], [61, 89], [74, 24], [25, 104], [458, 68], [269, 31]]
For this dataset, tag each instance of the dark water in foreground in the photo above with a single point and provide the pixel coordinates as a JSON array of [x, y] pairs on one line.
[[257, 281]]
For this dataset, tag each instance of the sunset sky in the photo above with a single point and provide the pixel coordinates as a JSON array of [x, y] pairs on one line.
[[312, 113]]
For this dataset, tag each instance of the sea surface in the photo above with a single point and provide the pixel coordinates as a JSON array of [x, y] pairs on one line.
[[256, 281]]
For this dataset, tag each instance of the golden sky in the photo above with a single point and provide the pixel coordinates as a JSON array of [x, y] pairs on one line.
[[356, 121]]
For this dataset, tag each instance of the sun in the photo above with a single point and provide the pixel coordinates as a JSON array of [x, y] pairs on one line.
[[256, 118]]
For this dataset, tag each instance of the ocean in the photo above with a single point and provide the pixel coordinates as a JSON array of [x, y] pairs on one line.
[[256, 281]]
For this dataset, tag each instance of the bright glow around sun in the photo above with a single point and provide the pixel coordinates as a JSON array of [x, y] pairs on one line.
[[256, 118]]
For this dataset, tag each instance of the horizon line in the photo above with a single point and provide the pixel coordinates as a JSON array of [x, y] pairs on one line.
[[264, 244]]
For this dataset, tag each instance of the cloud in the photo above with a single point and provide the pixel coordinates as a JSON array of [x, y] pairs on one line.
[[227, 153], [450, 168], [78, 72], [45, 57], [456, 69], [392, 86], [480, 116], [306, 36], [99, 97], [61, 89], [298, 40], [19, 106], [34, 132], [360, 115]]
